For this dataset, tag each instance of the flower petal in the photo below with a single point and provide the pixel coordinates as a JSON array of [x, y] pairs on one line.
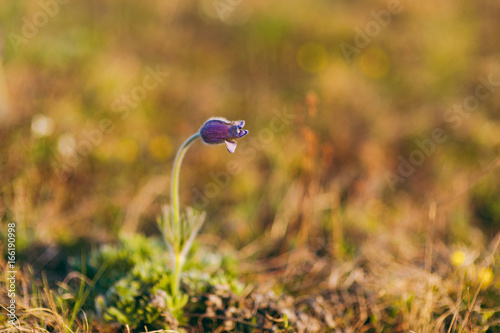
[[216, 131], [231, 146], [240, 123], [242, 133]]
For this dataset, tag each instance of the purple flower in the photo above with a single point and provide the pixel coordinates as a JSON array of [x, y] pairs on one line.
[[219, 130]]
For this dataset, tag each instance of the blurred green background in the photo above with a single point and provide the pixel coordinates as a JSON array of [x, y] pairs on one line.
[[324, 180]]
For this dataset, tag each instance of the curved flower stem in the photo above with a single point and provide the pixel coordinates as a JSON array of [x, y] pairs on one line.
[[174, 189], [178, 230]]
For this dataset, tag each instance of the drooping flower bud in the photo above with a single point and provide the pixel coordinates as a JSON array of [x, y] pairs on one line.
[[220, 130]]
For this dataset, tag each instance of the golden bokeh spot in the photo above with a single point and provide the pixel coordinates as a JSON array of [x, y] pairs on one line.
[[486, 276], [374, 62], [312, 57], [458, 258], [126, 150], [160, 147]]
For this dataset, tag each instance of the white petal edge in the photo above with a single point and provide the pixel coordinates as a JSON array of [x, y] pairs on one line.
[[231, 146]]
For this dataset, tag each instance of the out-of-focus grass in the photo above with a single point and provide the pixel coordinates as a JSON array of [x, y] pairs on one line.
[[311, 208]]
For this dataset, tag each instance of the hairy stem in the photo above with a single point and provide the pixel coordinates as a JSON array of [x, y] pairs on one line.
[[174, 189], [179, 262], [177, 229]]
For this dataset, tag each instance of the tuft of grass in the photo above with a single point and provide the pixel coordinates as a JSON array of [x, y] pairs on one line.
[[41, 308]]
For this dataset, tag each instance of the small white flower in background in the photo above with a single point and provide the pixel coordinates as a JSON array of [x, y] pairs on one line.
[[42, 126], [66, 145]]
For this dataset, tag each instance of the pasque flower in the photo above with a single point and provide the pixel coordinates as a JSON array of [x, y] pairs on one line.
[[221, 130], [179, 230]]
